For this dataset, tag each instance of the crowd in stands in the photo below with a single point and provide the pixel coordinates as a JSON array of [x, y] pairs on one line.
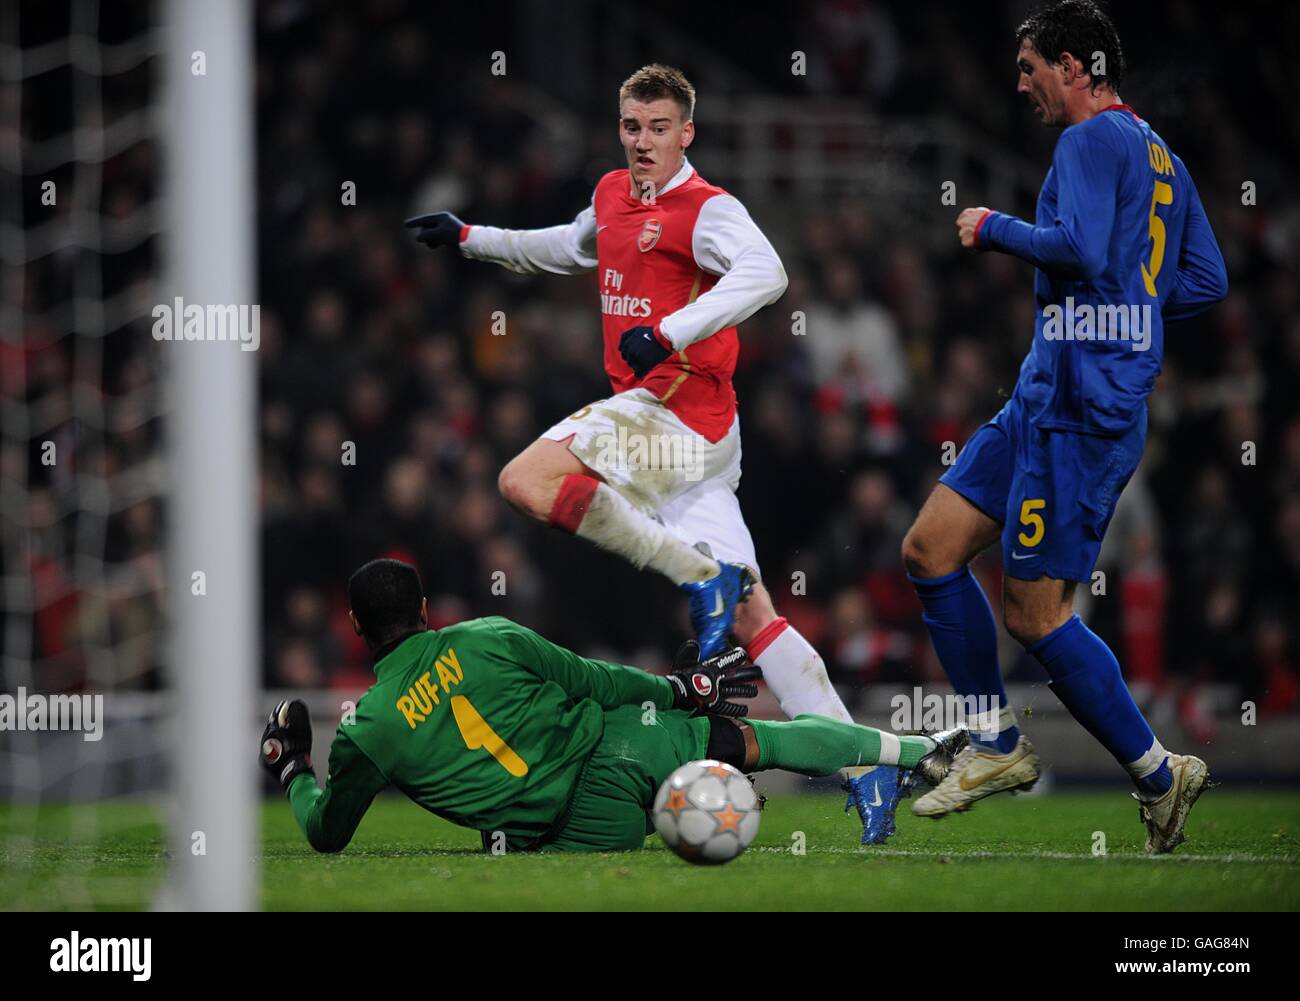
[[388, 403]]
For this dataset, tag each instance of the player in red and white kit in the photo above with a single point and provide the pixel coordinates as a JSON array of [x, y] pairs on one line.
[[651, 472]]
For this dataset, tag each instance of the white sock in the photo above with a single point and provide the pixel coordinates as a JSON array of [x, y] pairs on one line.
[[796, 674], [890, 749], [614, 523], [985, 727]]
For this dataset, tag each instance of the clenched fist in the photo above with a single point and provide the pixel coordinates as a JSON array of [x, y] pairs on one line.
[[968, 222]]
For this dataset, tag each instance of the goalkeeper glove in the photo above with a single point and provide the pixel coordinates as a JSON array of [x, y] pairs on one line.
[[706, 687], [642, 348], [437, 229], [286, 742]]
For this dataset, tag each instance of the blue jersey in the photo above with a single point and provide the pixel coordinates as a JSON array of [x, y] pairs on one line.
[[1121, 244]]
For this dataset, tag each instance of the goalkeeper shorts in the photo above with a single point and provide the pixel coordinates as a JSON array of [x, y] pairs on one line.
[[610, 808]]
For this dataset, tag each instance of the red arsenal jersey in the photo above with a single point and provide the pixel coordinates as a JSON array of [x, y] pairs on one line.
[[647, 270]]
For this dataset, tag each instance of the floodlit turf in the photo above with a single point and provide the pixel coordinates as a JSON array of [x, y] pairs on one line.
[[1243, 853]]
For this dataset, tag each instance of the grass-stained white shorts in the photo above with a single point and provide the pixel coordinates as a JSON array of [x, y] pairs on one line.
[[676, 475]]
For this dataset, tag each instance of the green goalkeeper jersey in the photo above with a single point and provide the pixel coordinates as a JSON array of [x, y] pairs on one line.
[[484, 723]]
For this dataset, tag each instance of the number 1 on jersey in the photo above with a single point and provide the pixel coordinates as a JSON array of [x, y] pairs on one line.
[[476, 732]]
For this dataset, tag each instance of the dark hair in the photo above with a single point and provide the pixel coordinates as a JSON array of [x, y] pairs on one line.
[[1080, 28], [652, 82], [385, 596]]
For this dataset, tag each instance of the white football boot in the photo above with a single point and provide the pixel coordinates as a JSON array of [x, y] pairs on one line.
[[1165, 816], [976, 774]]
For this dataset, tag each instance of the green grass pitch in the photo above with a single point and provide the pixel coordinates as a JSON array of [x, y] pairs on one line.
[[1242, 853]]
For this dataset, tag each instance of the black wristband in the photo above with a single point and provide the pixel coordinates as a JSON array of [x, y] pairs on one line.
[[295, 766], [726, 742]]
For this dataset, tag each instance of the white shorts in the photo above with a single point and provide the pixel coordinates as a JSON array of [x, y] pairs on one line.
[[644, 451]]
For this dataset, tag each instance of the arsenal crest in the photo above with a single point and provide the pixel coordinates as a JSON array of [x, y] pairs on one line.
[[649, 235]]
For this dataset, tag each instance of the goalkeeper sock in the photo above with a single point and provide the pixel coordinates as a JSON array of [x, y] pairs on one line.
[[818, 745], [1087, 679], [961, 626], [597, 512], [796, 675]]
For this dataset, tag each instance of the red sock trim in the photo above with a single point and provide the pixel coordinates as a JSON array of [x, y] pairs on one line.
[[765, 637], [572, 502]]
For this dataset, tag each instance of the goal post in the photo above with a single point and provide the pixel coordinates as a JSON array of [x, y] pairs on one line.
[[212, 515]]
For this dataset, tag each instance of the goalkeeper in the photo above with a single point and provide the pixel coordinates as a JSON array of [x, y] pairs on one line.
[[490, 726]]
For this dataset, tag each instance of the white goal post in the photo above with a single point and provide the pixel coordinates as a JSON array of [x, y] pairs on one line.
[[212, 513]]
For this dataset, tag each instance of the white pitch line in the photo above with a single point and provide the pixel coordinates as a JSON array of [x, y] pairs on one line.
[[1054, 856]]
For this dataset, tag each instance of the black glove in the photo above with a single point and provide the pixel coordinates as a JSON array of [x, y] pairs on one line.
[[642, 350], [705, 687], [286, 742], [436, 229]]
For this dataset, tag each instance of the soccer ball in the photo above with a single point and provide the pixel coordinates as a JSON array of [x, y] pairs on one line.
[[707, 812]]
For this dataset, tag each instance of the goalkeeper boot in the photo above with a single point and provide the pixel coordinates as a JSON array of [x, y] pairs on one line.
[[975, 774], [934, 767], [876, 795], [1165, 816], [713, 605]]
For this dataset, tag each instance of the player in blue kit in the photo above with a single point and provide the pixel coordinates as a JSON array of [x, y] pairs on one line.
[[1120, 244]]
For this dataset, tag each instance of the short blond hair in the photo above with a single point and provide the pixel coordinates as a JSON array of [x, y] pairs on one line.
[[652, 82]]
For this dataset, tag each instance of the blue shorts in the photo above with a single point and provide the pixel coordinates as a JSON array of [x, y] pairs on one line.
[[1053, 492]]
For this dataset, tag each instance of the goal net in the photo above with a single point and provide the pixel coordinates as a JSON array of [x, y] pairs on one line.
[[110, 647]]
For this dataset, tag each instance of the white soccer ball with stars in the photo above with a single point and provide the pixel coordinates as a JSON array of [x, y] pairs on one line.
[[707, 812]]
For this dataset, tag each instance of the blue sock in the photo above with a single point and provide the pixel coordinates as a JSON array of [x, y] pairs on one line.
[[1086, 678], [966, 640]]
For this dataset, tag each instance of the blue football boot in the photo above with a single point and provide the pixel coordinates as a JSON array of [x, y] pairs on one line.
[[713, 605], [878, 793], [876, 796]]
